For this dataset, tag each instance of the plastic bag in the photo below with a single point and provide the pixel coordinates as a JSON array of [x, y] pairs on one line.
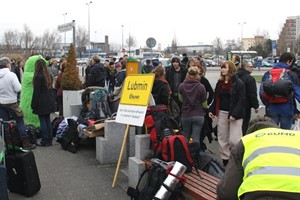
[[296, 126]]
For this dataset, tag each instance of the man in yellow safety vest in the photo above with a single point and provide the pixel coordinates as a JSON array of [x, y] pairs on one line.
[[264, 165]]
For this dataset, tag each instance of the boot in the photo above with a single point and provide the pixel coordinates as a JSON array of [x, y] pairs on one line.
[[27, 145]]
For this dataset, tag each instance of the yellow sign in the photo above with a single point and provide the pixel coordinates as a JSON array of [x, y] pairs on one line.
[[137, 89]]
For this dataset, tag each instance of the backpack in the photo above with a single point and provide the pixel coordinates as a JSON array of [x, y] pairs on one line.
[[210, 165], [157, 173], [55, 123], [99, 107], [159, 124], [278, 88], [175, 148], [174, 110], [70, 139], [31, 132], [95, 104]]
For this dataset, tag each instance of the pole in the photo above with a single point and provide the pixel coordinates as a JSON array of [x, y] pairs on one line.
[[65, 43], [89, 30], [242, 23], [74, 32], [120, 156], [122, 38]]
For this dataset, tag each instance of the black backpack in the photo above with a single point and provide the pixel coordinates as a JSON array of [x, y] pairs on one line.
[[210, 165], [278, 88], [55, 123], [159, 125], [156, 177], [70, 139]]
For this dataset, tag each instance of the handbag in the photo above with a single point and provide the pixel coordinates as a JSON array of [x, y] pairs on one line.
[[174, 110]]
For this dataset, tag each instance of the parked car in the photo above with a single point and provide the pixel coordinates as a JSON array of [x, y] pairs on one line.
[[265, 63], [82, 61], [164, 61], [297, 63], [210, 63]]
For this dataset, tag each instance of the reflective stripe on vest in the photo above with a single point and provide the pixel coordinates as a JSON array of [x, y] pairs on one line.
[[273, 149], [276, 170], [271, 161]]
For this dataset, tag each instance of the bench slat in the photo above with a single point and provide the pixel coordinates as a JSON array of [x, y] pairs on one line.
[[202, 189]]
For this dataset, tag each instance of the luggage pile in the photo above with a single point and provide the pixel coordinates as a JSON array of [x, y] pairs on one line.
[[19, 172]]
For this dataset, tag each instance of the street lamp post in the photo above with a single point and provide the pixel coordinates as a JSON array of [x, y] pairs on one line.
[[89, 30], [65, 14], [241, 24], [122, 37]]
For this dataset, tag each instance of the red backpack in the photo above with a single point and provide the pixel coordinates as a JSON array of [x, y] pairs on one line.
[[175, 148], [278, 88], [159, 124]]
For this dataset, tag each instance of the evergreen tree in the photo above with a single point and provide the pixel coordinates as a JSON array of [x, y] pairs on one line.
[[70, 77]]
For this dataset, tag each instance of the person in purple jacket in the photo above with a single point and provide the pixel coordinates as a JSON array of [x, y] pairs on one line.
[[192, 93]]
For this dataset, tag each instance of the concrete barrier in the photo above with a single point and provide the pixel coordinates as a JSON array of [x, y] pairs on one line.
[[108, 147], [136, 164]]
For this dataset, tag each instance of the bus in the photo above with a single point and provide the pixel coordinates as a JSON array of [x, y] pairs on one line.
[[153, 54], [244, 55]]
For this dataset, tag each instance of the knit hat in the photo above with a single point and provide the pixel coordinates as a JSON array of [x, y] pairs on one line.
[[260, 123], [175, 59], [4, 60]]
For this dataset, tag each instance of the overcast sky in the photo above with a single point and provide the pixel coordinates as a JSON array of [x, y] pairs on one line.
[[190, 21]]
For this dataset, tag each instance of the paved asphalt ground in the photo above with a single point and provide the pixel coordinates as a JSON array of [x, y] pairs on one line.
[[79, 176]]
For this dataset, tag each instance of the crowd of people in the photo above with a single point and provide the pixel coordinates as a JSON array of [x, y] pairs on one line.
[[230, 103]]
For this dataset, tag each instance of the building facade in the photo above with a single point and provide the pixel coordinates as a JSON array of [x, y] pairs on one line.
[[289, 34]]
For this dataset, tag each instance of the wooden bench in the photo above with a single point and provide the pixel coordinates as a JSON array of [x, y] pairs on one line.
[[201, 189]]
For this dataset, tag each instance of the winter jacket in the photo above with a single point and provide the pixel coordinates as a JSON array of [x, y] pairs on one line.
[[9, 86], [160, 92], [170, 72], [288, 108], [251, 100], [194, 94], [237, 99], [98, 75], [208, 88], [120, 78], [43, 101]]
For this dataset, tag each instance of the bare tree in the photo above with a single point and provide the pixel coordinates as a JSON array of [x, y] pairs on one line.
[[218, 47], [82, 40], [115, 47], [28, 38], [10, 39], [231, 45], [174, 45], [130, 42]]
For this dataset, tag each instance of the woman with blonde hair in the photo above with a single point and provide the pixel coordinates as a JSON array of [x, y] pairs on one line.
[[192, 93], [228, 106]]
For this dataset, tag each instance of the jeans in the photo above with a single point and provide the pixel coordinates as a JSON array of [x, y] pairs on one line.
[[46, 128], [285, 122], [192, 127], [6, 114]]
